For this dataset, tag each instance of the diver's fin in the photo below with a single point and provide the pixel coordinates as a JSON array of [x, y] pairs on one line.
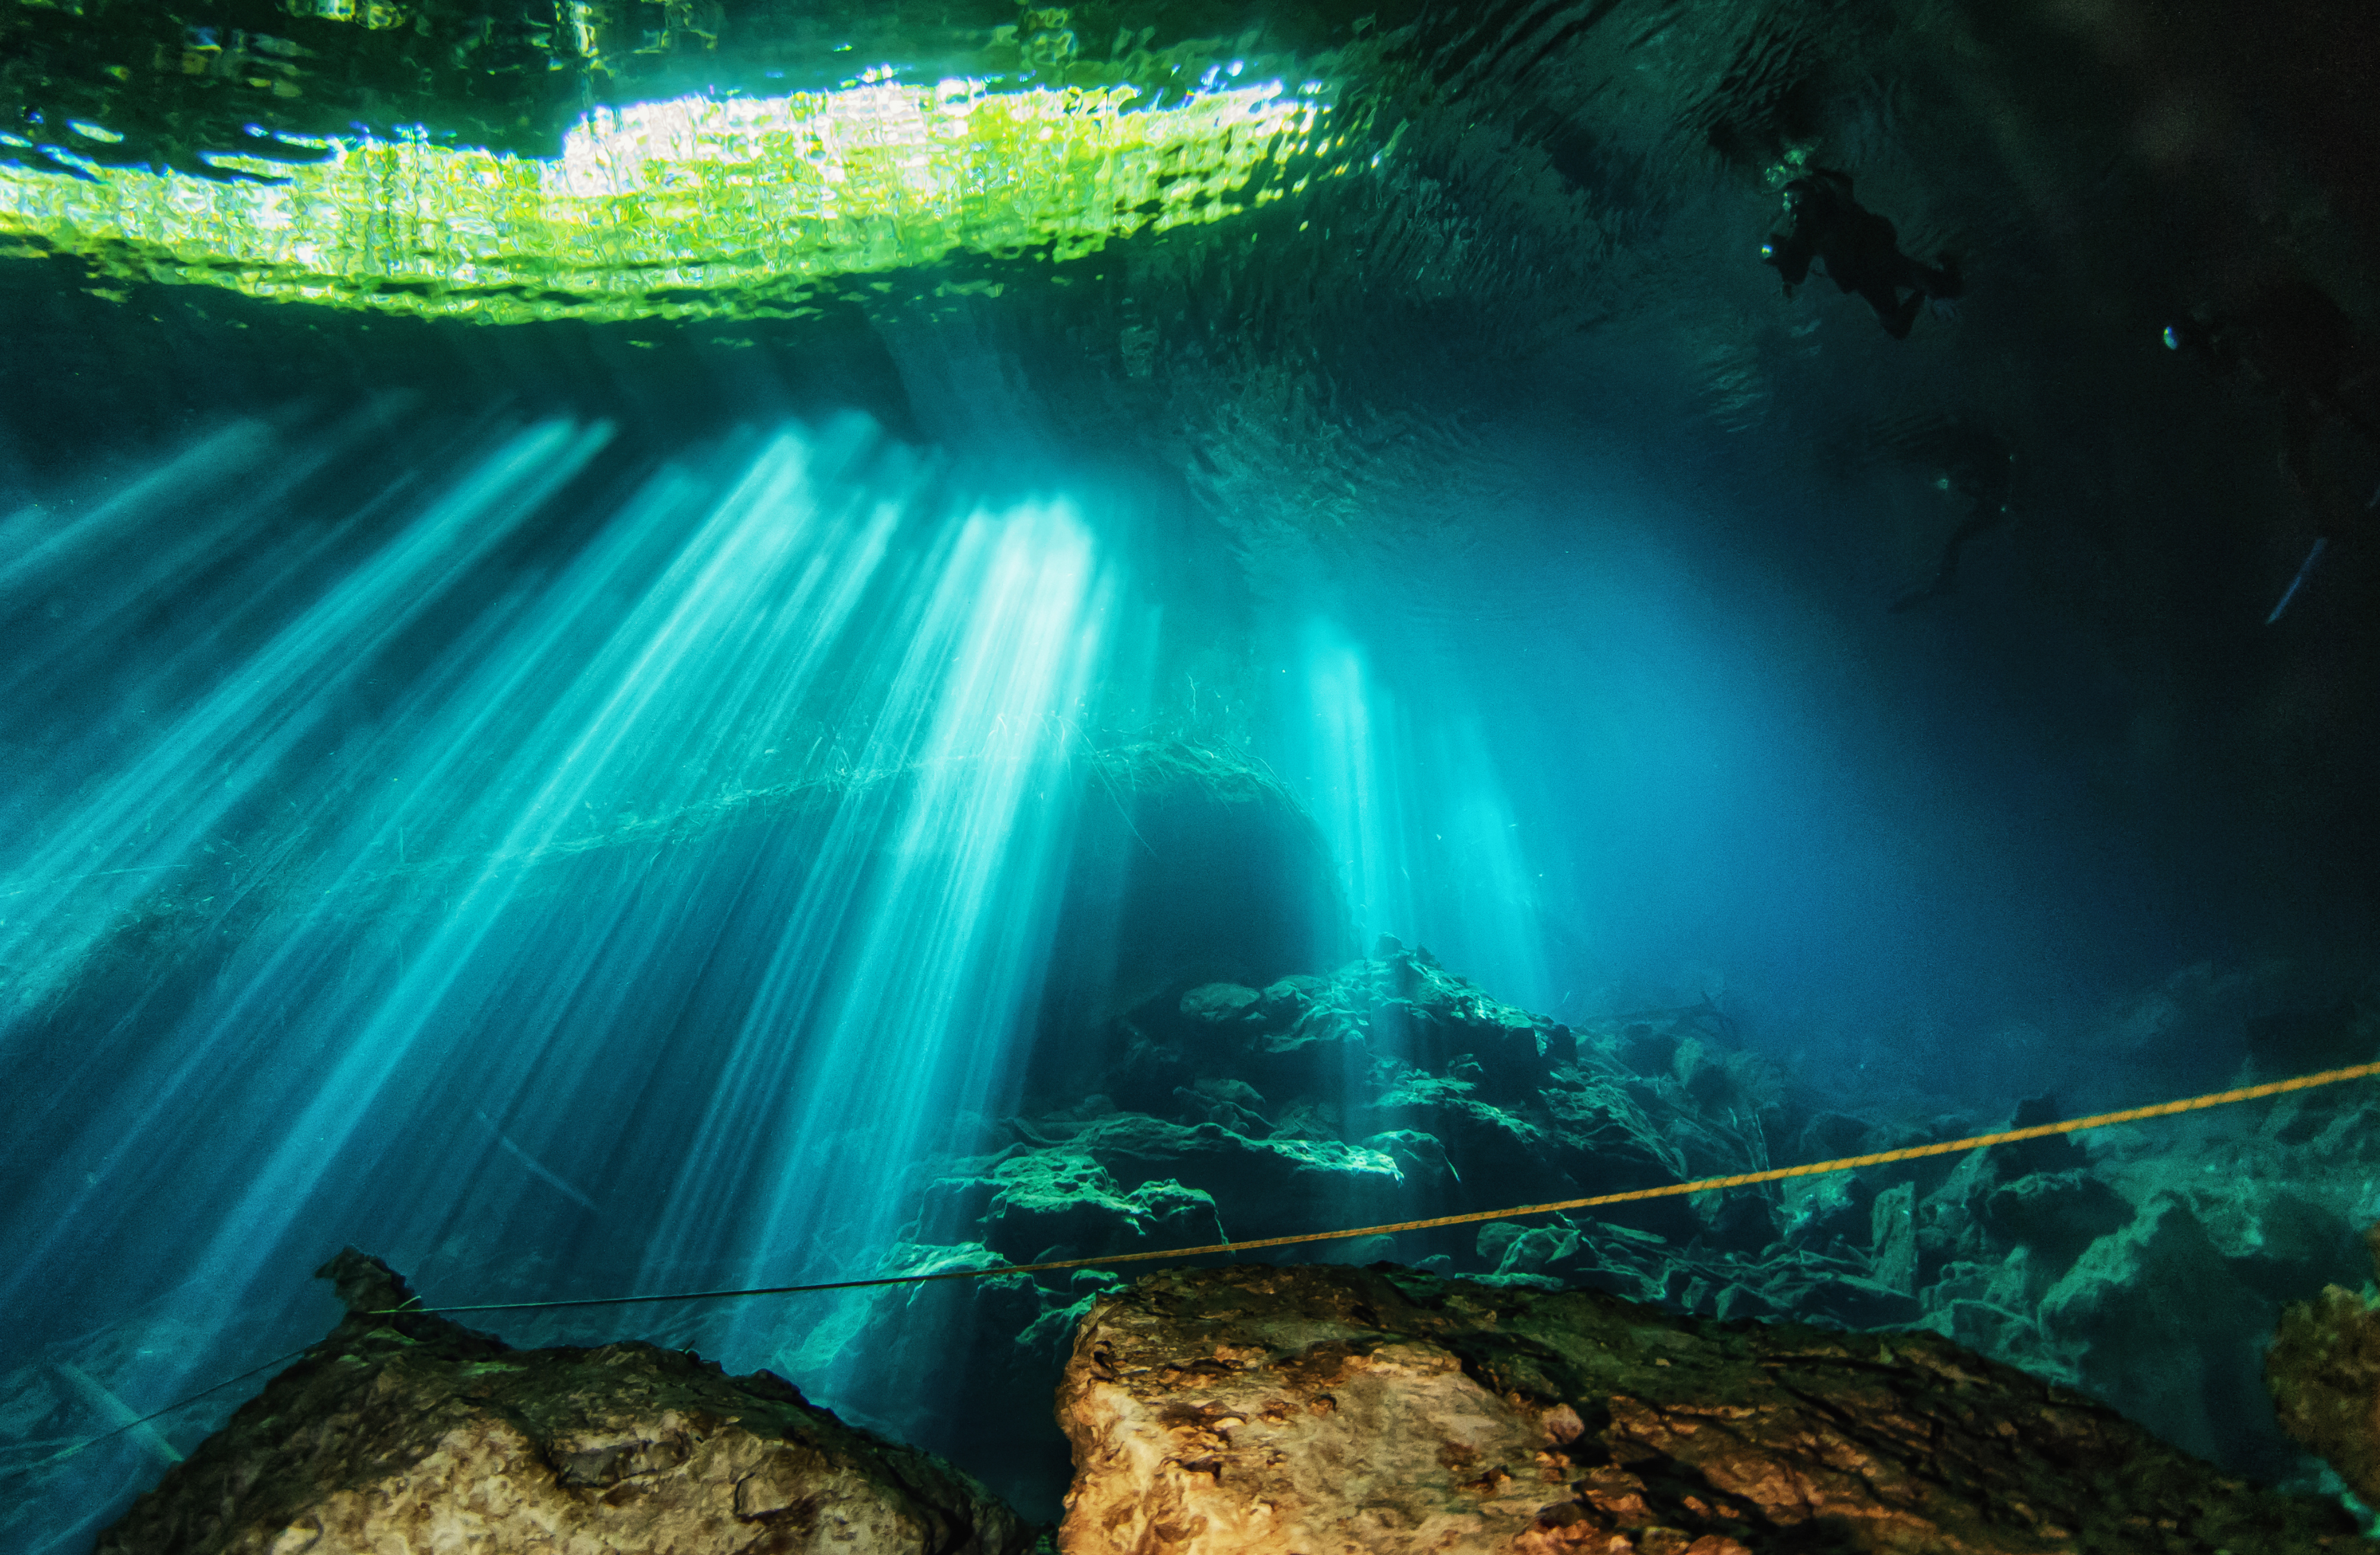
[[2305, 570]]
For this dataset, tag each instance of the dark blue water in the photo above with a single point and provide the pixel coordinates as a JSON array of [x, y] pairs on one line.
[[567, 873]]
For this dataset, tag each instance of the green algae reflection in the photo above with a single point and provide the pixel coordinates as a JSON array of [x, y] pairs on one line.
[[694, 206]]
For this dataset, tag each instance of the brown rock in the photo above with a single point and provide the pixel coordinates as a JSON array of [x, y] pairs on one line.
[[409, 1433], [1329, 1411], [2324, 1370]]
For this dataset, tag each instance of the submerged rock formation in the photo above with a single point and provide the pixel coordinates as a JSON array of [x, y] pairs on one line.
[[411, 1432], [2122, 1267], [1186, 863], [1323, 1410], [1388, 1091], [2324, 1369]]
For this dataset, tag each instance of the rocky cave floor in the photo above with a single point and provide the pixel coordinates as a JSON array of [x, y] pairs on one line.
[[1262, 1411], [2146, 1267]]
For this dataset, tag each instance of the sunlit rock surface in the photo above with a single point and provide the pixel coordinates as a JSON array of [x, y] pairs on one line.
[[1392, 1089], [2324, 1369], [1326, 1410], [415, 1433], [1536, 321]]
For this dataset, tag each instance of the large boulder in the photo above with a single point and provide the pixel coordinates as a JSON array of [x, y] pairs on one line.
[[1323, 1410], [408, 1432], [2137, 1312]]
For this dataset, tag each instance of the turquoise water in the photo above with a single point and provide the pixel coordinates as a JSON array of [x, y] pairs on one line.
[[580, 808]]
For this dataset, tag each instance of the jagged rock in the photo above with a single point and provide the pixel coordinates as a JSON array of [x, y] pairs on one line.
[[1892, 1238], [1830, 1135], [1291, 996], [1495, 1144], [1556, 1256], [2336, 1124], [1956, 1220], [2051, 1152], [963, 1368], [1327, 1410], [1831, 1212], [2280, 1241], [1307, 1050], [1744, 1219], [1628, 1262], [1989, 1306], [2136, 1305], [1984, 1326], [1838, 1295], [411, 1432], [1264, 1187], [1057, 1202], [1721, 1079], [1421, 1157], [1220, 1003], [2058, 1214], [1392, 1089], [2324, 1370]]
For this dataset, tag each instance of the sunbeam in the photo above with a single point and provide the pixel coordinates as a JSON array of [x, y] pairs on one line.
[[1414, 806], [698, 880], [1145, 739]]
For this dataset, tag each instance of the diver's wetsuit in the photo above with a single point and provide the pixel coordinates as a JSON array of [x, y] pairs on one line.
[[1860, 251], [2295, 341], [1982, 468]]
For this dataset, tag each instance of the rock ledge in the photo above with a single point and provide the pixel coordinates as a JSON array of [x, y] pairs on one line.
[[409, 1433], [1320, 1410]]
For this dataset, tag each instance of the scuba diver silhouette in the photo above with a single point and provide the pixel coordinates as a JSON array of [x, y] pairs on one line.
[[1978, 464], [1860, 251], [2292, 340]]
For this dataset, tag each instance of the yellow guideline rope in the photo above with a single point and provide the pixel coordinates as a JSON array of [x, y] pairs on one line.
[[1705, 1185]]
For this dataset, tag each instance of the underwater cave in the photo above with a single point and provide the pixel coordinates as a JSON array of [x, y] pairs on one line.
[[675, 650]]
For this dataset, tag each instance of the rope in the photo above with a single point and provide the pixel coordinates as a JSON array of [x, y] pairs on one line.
[[135, 1425], [1702, 1184]]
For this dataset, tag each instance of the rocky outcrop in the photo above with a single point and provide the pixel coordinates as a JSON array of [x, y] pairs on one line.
[[1385, 1090], [2167, 1318], [2324, 1370], [1329, 1410], [1388, 1091], [2151, 1351], [1392, 1089], [2141, 1267], [410, 1432]]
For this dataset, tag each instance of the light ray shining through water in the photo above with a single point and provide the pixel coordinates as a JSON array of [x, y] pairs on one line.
[[683, 885], [1416, 811]]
